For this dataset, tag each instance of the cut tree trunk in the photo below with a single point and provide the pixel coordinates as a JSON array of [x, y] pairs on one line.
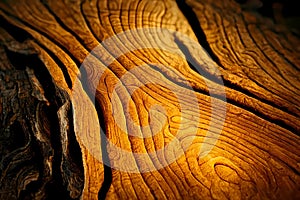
[[51, 143]]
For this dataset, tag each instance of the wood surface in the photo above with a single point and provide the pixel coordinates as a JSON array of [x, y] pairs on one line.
[[52, 149]]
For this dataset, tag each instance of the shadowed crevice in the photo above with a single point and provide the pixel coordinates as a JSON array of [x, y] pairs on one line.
[[197, 29], [18, 34], [107, 170], [228, 84], [105, 158]]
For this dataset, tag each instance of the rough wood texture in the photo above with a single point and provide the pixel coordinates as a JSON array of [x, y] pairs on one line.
[[44, 136]]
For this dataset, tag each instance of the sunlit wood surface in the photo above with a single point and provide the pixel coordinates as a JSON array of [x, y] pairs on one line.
[[43, 139]]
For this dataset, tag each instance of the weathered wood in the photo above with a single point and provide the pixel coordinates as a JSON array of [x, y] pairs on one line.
[[48, 144]]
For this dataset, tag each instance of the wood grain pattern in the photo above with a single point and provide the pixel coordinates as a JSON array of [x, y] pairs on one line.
[[44, 135]]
